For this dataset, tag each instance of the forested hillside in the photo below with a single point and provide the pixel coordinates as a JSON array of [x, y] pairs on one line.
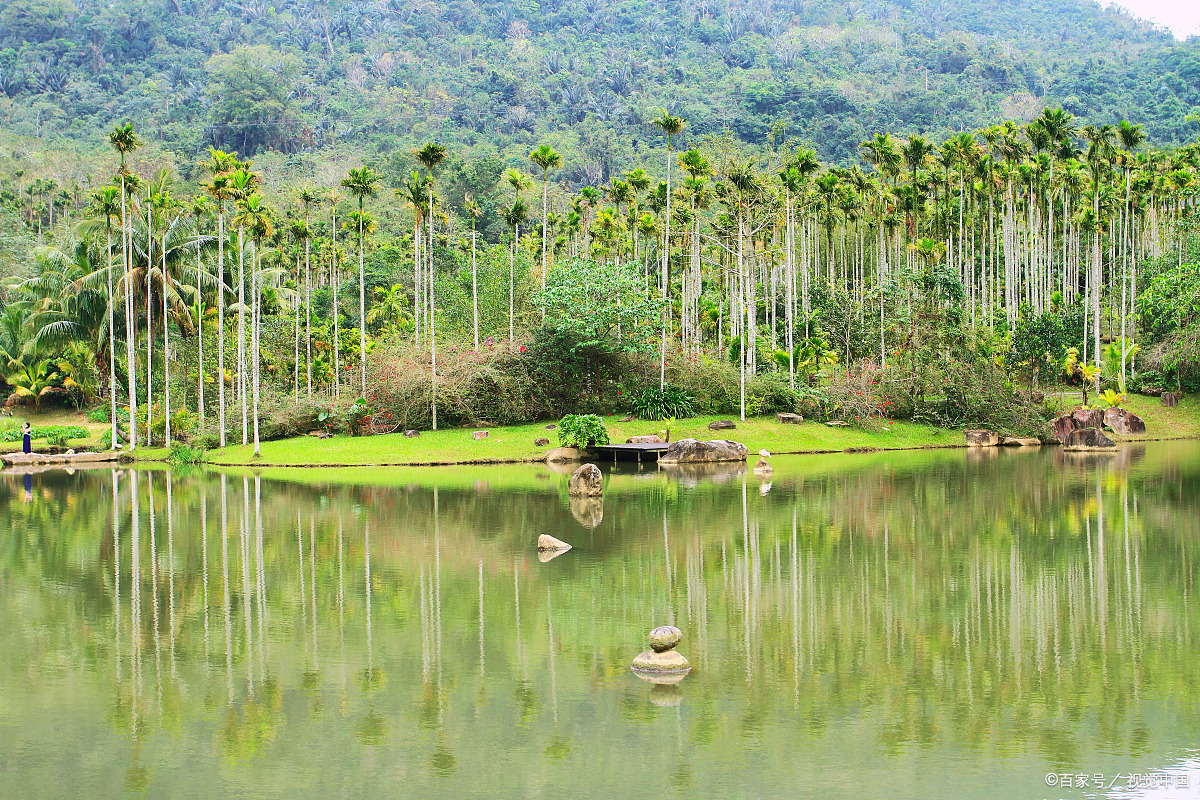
[[297, 75]]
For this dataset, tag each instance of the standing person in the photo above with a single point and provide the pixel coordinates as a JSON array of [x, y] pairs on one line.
[[26, 439]]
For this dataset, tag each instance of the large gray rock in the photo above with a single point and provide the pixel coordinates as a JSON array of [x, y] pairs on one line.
[[1123, 422], [982, 438], [587, 481], [562, 455], [722, 425], [1088, 439], [693, 451]]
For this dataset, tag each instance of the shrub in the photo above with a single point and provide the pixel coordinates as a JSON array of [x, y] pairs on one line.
[[358, 415], [712, 385], [181, 455], [54, 434], [582, 430], [670, 401], [770, 393]]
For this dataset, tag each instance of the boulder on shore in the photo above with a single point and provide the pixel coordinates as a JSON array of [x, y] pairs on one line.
[[649, 438], [1088, 439], [982, 438], [1123, 422], [587, 481], [722, 425], [784, 418], [562, 455], [693, 451]]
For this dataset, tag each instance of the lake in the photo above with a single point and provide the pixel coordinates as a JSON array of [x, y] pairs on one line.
[[987, 624]]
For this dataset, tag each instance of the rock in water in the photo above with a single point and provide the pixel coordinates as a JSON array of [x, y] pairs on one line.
[[1123, 422], [562, 455], [647, 439], [763, 468], [661, 663], [548, 542], [691, 451], [1088, 439], [1020, 441], [722, 425], [587, 481], [982, 438]]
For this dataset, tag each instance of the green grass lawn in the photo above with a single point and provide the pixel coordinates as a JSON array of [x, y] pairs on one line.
[[53, 416], [516, 443]]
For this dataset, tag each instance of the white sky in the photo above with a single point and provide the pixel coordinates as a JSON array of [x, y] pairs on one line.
[[1181, 16]]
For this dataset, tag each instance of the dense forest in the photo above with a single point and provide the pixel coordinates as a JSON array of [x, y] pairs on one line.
[[508, 214]]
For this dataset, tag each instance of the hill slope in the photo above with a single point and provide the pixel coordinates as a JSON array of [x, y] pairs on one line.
[[302, 74]]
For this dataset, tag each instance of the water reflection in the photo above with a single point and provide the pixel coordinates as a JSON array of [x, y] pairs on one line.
[[993, 619]]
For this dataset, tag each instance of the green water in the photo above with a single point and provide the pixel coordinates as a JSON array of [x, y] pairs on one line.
[[904, 625]]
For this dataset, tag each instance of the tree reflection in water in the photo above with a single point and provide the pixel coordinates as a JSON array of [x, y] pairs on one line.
[[1019, 613]]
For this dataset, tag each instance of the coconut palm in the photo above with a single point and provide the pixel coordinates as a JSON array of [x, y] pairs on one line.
[[671, 126], [307, 197], [430, 156], [546, 159], [255, 216], [472, 208], [362, 183], [219, 165], [107, 204], [514, 215], [125, 140]]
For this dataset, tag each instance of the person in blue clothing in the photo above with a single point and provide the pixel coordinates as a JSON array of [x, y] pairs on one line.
[[26, 439]]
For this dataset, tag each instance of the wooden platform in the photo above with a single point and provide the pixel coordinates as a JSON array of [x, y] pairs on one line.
[[649, 451]]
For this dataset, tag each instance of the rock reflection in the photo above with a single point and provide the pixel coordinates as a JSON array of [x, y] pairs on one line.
[[692, 475]]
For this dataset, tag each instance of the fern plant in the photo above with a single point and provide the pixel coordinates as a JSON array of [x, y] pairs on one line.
[[582, 430]]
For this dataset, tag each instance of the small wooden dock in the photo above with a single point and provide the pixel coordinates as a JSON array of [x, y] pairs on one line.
[[649, 451]]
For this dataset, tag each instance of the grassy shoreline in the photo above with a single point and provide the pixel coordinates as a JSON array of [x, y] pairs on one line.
[[515, 444]]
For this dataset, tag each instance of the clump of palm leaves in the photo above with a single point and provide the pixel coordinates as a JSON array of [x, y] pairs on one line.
[[669, 401]]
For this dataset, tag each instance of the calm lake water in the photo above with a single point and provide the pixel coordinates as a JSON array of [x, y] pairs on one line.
[[903, 625]]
